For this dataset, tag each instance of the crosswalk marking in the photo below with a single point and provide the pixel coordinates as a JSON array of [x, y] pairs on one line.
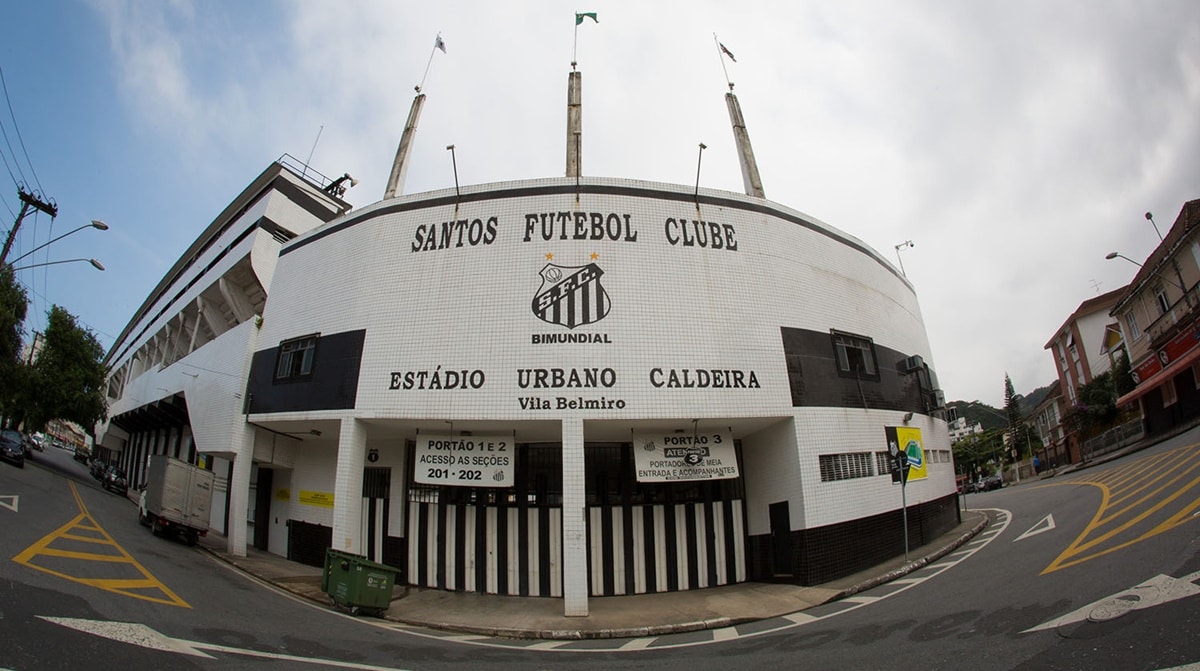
[[1139, 500], [84, 529]]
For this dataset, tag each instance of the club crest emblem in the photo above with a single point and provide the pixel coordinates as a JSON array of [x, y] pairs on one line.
[[571, 296]]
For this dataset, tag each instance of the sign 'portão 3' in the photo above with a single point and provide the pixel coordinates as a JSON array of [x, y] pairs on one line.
[[668, 457]]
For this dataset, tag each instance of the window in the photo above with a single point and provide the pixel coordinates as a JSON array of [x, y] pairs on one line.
[[1168, 393], [1131, 323], [855, 355], [296, 358], [1160, 295], [845, 466], [883, 463]]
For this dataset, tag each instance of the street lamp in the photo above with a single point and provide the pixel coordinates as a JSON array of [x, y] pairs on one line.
[[906, 243], [96, 223], [1178, 285], [454, 162], [1150, 218], [1114, 255], [95, 264]]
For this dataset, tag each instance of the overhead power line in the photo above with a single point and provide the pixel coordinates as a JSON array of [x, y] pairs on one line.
[[20, 140]]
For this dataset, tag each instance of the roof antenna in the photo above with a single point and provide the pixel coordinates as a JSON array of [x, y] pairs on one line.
[[304, 173]]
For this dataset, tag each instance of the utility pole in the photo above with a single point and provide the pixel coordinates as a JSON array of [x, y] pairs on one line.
[[28, 200]]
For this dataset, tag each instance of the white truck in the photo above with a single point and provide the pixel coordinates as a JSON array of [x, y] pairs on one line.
[[176, 499]]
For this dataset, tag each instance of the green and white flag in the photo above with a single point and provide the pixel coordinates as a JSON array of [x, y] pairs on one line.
[[579, 17]]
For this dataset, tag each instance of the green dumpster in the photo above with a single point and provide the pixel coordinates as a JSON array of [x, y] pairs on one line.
[[356, 583]]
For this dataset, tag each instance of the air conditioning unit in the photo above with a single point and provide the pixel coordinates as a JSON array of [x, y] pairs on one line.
[[914, 362], [939, 398]]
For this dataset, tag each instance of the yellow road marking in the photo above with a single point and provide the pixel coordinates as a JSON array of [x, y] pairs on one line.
[[1163, 462], [84, 521], [83, 539], [1147, 479], [1153, 492], [72, 554], [1162, 503]]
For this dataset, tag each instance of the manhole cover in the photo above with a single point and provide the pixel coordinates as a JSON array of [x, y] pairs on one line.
[[1114, 608]]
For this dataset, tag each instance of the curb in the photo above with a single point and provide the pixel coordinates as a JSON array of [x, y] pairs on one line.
[[625, 632], [914, 565], [700, 625], [574, 634]]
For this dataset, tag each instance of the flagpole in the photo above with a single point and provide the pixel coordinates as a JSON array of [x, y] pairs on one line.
[[430, 62], [575, 42], [721, 56]]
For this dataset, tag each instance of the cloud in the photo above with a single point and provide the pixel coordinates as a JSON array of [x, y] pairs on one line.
[[1014, 144]]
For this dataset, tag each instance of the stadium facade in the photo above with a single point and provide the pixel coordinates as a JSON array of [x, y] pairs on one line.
[[568, 387]]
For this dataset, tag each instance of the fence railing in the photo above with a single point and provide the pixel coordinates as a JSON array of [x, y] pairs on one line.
[[1113, 439]]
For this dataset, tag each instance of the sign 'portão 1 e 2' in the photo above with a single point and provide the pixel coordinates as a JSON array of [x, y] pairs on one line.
[[464, 461]]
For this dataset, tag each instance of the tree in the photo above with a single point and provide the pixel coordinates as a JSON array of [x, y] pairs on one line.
[[1096, 408], [1012, 412], [979, 453], [970, 453], [1122, 373], [67, 379], [13, 304]]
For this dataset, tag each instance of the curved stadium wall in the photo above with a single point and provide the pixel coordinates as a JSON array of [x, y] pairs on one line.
[[650, 312]]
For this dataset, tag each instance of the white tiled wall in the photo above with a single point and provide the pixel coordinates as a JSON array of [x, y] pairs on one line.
[[468, 308]]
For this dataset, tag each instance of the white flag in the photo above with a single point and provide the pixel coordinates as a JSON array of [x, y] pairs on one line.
[[439, 44]]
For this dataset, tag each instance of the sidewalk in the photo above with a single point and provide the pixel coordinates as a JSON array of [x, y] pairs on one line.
[[609, 617], [1136, 446]]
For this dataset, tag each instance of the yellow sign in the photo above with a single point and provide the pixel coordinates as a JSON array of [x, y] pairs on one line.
[[283, 494], [318, 499], [909, 440]]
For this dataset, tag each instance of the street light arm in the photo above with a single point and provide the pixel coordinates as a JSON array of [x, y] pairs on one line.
[[95, 264], [96, 223], [1178, 285]]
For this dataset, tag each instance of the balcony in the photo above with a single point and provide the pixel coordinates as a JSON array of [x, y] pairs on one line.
[[1181, 313]]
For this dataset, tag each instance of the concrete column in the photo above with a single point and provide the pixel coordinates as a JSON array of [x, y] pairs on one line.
[[574, 124], [395, 182], [239, 489], [347, 487], [574, 516], [750, 177]]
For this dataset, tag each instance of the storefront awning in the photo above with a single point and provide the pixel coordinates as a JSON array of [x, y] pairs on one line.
[[1156, 380]]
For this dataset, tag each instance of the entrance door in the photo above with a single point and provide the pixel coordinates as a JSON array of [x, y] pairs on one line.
[[262, 509], [781, 539], [377, 483]]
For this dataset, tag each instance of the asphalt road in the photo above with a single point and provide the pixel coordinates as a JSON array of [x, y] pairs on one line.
[[1094, 570]]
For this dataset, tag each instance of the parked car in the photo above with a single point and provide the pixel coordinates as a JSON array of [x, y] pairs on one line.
[[82, 454], [114, 480], [12, 448], [970, 487], [990, 482]]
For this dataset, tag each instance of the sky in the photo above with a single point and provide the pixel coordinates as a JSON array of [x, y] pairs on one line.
[[1014, 144]]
